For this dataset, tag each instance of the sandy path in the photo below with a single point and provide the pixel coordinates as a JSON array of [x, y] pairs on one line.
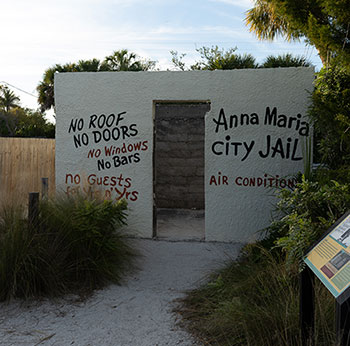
[[138, 313]]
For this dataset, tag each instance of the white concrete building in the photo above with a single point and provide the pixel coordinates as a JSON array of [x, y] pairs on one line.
[[255, 130]]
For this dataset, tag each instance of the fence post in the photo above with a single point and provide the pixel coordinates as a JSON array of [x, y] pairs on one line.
[[44, 187], [33, 209]]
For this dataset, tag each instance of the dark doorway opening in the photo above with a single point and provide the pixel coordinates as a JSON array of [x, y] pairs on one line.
[[179, 169]]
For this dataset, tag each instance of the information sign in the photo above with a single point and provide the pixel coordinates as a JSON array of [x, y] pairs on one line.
[[329, 259]]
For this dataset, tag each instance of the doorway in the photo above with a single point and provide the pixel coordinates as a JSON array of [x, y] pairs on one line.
[[179, 133]]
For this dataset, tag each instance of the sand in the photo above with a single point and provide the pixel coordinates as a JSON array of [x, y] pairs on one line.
[[136, 313]]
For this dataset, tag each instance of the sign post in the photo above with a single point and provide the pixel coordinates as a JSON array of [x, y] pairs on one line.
[[343, 322], [307, 305], [329, 260]]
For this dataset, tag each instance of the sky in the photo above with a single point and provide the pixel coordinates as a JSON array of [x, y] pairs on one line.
[[38, 34]]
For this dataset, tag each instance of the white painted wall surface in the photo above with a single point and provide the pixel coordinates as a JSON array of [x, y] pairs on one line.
[[233, 212]]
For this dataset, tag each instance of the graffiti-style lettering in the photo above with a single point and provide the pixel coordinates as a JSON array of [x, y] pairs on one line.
[[266, 181], [281, 120], [124, 160], [128, 195], [234, 120], [218, 180], [103, 120], [70, 179], [114, 134], [76, 124], [80, 139], [94, 153], [124, 149], [285, 149], [103, 164], [233, 148]]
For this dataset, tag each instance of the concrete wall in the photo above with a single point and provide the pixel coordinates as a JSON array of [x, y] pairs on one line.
[[179, 155], [244, 161]]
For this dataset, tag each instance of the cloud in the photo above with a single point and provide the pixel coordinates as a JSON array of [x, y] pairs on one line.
[[41, 33]]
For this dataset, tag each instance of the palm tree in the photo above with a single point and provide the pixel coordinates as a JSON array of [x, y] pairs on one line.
[[93, 65], [123, 60], [45, 88], [285, 60], [266, 23], [120, 60], [323, 23], [8, 99]]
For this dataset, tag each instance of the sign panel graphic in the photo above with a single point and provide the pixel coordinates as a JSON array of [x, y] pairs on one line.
[[330, 258]]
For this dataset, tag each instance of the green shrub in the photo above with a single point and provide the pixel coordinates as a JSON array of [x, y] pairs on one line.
[[324, 175], [310, 209], [76, 246], [330, 112]]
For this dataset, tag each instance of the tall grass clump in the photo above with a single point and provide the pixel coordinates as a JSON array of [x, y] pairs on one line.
[[22, 262], [75, 246], [254, 303], [255, 300]]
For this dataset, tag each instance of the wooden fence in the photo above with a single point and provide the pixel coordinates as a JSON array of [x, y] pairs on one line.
[[23, 162]]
